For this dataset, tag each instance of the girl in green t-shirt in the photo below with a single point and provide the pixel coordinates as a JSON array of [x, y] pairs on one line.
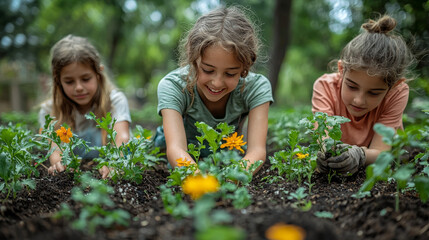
[[215, 84]]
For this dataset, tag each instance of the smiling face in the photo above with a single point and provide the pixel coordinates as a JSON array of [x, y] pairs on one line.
[[79, 82], [362, 93], [218, 74]]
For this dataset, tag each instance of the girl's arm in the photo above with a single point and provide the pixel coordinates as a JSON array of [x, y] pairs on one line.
[[375, 148], [55, 161], [257, 134], [175, 136], [122, 132]]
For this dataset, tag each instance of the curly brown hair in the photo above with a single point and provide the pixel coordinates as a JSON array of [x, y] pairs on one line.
[[379, 51], [228, 27]]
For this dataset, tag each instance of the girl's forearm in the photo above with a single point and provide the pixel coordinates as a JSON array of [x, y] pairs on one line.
[[371, 155]]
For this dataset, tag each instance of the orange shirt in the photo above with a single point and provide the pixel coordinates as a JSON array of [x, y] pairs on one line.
[[327, 98]]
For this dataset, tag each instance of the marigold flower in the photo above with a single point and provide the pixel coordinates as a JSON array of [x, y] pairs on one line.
[[183, 163], [282, 231], [64, 134], [234, 142], [301, 156], [197, 186]]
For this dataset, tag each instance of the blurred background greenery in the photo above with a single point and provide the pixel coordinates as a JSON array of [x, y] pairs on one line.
[[139, 43]]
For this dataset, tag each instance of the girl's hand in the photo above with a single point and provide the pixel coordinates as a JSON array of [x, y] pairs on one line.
[[350, 160], [56, 167], [104, 171]]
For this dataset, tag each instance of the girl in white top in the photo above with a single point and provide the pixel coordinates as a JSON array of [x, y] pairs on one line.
[[80, 86]]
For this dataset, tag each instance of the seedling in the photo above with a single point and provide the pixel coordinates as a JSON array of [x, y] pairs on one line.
[[389, 165]]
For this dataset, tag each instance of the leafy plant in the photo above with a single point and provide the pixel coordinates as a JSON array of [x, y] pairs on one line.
[[95, 206], [16, 144], [325, 132], [300, 199], [389, 165], [65, 141], [130, 160], [294, 163]]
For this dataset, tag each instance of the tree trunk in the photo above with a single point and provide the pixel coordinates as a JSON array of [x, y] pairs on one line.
[[282, 14]]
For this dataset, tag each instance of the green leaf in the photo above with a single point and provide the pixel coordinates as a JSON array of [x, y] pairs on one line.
[[221, 232], [386, 132], [5, 164], [324, 214], [403, 175], [422, 187], [29, 182]]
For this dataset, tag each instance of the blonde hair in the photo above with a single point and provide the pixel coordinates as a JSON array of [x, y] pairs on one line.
[[378, 51], [73, 49], [226, 27]]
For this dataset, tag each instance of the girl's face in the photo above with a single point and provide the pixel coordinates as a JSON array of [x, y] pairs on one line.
[[79, 82], [218, 74], [362, 93]]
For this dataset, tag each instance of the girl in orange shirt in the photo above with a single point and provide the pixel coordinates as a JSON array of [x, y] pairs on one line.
[[368, 88]]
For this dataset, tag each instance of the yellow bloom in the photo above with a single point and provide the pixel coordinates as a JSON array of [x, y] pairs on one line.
[[138, 136], [301, 156], [197, 186], [64, 134], [234, 142], [183, 163], [281, 231]]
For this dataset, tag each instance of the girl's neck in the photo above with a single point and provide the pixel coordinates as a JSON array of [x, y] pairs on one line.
[[217, 109]]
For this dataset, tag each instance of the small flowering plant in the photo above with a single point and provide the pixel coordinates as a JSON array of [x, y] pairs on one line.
[[197, 186], [294, 163], [225, 164], [65, 141]]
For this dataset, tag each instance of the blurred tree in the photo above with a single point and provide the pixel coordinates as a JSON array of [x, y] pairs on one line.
[[280, 40], [17, 40]]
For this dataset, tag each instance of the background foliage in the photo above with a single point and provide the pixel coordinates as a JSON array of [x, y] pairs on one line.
[[139, 41]]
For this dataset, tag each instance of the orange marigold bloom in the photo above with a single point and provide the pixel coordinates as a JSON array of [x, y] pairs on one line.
[[301, 156], [234, 142], [64, 134], [183, 163], [281, 231], [197, 186]]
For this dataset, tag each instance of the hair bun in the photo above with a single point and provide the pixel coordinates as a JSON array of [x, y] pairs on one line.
[[382, 25]]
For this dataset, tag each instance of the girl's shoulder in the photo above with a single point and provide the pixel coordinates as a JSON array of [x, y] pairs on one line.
[[254, 80], [177, 76]]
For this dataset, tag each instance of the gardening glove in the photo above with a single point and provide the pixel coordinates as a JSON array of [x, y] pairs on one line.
[[322, 164], [351, 158]]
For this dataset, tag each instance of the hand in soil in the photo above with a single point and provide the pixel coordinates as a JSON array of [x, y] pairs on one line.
[[349, 161], [56, 168], [104, 171]]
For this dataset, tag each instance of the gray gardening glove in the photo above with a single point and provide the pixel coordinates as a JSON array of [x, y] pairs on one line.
[[322, 164], [351, 158]]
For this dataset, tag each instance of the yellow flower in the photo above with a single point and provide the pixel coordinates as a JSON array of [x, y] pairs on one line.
[[64, 134], [234, 142], [281, 231], [197, 186], [138, 136], [301, 156], [183, 163]]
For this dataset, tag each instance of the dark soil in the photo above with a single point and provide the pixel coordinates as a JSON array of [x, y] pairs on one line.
[[29, 216]]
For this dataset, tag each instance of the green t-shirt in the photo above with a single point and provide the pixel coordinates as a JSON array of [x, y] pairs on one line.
[[172, 94]]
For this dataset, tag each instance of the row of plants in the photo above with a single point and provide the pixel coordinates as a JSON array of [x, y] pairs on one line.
[[197, 190]]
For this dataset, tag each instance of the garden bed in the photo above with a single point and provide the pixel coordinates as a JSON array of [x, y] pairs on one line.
[[29, 216]]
